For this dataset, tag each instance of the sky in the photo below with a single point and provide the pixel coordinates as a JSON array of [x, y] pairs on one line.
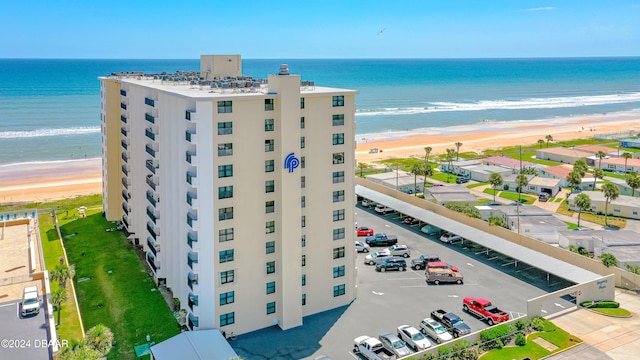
[[288, 29]]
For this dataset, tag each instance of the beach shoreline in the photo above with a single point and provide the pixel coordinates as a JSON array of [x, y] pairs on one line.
[[52, 180]]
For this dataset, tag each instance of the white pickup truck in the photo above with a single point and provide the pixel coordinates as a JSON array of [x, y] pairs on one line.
[[30, 301], [372, 349]]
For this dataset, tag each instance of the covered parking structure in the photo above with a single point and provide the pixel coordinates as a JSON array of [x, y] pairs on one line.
[[518, 253]]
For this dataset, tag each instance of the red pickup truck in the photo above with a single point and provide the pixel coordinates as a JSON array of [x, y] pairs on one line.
[[484, 310]]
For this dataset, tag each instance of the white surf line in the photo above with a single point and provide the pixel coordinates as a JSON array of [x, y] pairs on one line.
[[51, 184]]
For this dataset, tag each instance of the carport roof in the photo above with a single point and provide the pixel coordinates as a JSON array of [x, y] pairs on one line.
[[514, 251]]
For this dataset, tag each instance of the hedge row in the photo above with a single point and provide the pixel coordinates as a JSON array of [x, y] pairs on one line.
[[600, 304]]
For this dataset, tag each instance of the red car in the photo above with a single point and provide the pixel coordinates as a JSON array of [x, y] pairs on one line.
[[364, 231]]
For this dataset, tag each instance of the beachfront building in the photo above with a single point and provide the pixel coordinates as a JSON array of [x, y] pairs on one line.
[[457, 167], [511, 163], [482, 173], [564, 155], [239, 191], [624, 206], [630, 143], [560, 172]]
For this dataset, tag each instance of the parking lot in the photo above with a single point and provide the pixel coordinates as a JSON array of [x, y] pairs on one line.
[[387, 300], [23, 337]]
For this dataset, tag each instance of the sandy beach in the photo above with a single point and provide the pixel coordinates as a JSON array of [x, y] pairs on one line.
[[45, 181]]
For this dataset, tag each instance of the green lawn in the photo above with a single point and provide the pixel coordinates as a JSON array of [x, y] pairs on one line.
[[597, 219], [114, 288], [557, 337], [612, 311], [471, 186], [443, 177]]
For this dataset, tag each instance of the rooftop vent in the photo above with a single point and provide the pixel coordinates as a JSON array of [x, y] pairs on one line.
[[284, 69]]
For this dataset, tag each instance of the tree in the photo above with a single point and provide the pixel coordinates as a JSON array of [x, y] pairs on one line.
[[633, 180], [611, 192], [540, 143], [608, 260], [626, 157], [597, 174], [496, 221], [427, 168], [416, 169], [361, 166], [574, 179], [583, 203], [458, 145], [633, 268], [548, 138], [450, 153], [521, 183], [495, 180], [61, 273], [100, 338], [78, 350], [581, 167], [600, 155], [59, 297]]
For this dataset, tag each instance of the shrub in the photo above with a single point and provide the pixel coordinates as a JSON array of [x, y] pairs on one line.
[[499, 344], [521, 340], [490, 337], [537, 324], [444, 352], [600, 304], [520, 325]]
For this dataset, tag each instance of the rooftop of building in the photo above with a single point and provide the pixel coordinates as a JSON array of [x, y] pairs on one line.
[[621, 161], [507, 161], [541, 181], [561, 171], [595, 148], [488, 169], [565, 152], [622, 200]]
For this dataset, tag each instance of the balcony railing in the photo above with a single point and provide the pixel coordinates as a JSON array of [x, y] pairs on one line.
[[126, 195], [191, 238], [150, 118], [125, 144], [126, 207], [192, 199], [123, 119], [193, 321], [191, 157], [193, 301], [151, 183], [151, 198], [152, 262], [192, 220], [152, 230], [152, 215], [150, 134], [152, 246], [125, 182], [192, 178], [125, 156], [125, 169], [125, 221], [149, 102], [149, 165], [192, 279], [124, 131], [123, 106], [150, 150], [192, 258]]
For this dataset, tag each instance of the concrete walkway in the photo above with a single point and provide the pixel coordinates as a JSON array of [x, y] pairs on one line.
[[618, 338]]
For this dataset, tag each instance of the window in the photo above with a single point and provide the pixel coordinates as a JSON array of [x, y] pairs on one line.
[[271, 267], [304, 279], [225, 235], [338, 120], [270, 227], [225, 128], [304, 299], [268, 104], [338, 290], [226, 256], [303, 221], [338, 252], [271, 287], [225, 192], [303, 182], [338, 234], [225, 213], [268, 125], [302, 122], [338, 196], [303, 201], [338, 177], [268, 145], [302, 162], [227, 277], [301, 103], [338, 271], [338, 158], [337, 101], [271, 307], [269, 166], [149, 102], [225, 149], [338, 139], [225, 171], [227, 298], [269, 186], [269, 206], [338, 215], [302, 142], [271, 247], [304, 260], [227, 319], [225, 107], [303, 240]]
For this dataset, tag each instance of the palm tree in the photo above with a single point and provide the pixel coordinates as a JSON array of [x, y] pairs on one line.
[[62, 273], [600, 155], [540, 143], [427, 151], [495, 180], [581, 167], [59, 297], [361, 166], [583, 203], [597, 174], [100, 338], [416, 169], [633, 180], [574, 179], [611, 192], [548, 138], [458, 145], [626, 157], [521, 183], [450, 153]]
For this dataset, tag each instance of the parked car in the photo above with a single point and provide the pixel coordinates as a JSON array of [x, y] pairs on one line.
[[492, 203], [364, 231], [413, 337], [393, 343], [435, 330], [368, 203], [400, 250], [382, 209], [410, 221], [372, 349], [440, 265], [362, 247], [372, 259], [450, 238], [391, 263], [484, 310], [430, 230], [445, 276], [30, 301], [381, 239], [422, 262], [544, 197], [462, 180], [452, 322]]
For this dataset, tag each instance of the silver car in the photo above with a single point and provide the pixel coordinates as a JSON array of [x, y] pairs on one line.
[[393, 343], [435, 330], [372, 259], [413, 337], [400, 250]]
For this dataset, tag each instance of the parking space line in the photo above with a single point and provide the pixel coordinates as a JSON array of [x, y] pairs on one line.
[[412, 286], [414, 278], [10, 304], [353, 355], [527, 269], [509, 263]]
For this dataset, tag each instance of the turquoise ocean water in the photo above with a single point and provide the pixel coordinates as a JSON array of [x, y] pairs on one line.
[[50, 109]]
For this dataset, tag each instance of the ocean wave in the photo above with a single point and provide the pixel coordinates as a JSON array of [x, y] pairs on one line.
[[522, 104], [22, 134]]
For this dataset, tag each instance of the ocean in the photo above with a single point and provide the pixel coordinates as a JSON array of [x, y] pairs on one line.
[[50, 108]]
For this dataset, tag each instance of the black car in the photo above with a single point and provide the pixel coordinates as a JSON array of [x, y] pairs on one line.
[[392, 263], [423, 260], [462, 180], [410, 221]]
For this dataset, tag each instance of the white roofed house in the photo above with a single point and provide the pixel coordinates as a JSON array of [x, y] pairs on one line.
[[541, 185], [482, 173], [457, 167], [563, 155], [624, 188], [510, 182], [617, 165], [560, 172], [532, 221], [450, 194], [399, 180], [623, 206]]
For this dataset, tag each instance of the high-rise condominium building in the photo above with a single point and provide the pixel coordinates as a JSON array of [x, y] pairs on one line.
[[240, 191]]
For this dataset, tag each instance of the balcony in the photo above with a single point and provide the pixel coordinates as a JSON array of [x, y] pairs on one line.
[[153, 247], [192, 279], [125, 144], [123, 93], [153, 215], [190, 136], [125, 169], [192, 258], [125, 156], [192, 178], [123, 119], [192, 321], [125, 221], [151, 166], [151, 260], [126, 207], [150, 134], [124, 131], [126, 195], [191, 238], [150, 181], [150, 150], [150, 118], [149, 102], [192, 199], [123, 106], [153, 230], [151, 198], [126, 182], [193, 301], [191, 157], [187, 114], [192, 221]]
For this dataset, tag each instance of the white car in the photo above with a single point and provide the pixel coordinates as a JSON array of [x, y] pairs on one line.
[[362, 247], [400, 250], [372, 259], [30, 301], [413, 337], [450, 238], [435, 330]]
